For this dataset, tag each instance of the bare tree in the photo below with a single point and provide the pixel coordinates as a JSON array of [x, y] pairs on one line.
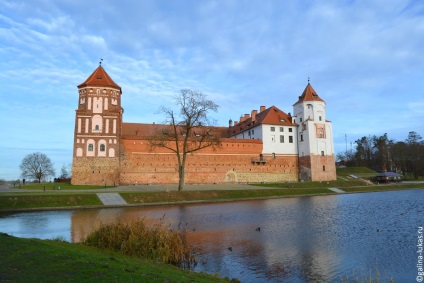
[[187, 130], [36, 165], [65, 171]]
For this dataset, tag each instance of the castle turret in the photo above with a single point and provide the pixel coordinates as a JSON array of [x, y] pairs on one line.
[[97, 131], [315, 138]]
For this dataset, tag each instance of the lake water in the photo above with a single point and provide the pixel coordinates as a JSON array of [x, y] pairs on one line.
[[302, 239]]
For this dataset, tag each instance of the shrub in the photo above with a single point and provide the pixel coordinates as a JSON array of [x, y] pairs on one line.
[[159, 242]]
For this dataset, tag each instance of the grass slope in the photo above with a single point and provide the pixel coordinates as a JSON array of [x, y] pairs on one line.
[[28, 200], [32, 260], [56, 186], [354, 170]]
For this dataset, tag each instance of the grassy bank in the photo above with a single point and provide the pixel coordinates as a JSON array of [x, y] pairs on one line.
[[38, 200], [31, 200], [32, 260], [154, 197], [313, 185], [58, 186]]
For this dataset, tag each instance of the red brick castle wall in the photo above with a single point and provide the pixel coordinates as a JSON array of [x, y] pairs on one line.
[[232, 161]]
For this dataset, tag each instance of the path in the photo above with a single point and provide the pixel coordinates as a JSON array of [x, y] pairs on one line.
[[336, 190], [111, 199]]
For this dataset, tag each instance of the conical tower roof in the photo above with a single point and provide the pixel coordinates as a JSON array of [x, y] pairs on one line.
[[99, 78], [309, 94]]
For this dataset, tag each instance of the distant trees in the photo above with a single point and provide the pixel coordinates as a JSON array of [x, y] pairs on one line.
[[414, 155], [65, 171], [381, 153], [188, 129], [37, 166]]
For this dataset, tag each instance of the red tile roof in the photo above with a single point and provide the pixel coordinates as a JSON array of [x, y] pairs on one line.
[[270, 116], [99, 78], [309, 94]]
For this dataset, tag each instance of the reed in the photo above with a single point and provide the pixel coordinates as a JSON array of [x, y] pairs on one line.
[[159, 242]]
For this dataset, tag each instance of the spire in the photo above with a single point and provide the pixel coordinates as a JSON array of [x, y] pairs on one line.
[[309, 94], [99, 78]]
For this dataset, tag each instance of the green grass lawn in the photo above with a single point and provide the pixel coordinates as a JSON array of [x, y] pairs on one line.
[[354, 171], [32, 260], [54, 198], [40, 200], [388, 187], [313, 185], [55, 186], [156, 197]]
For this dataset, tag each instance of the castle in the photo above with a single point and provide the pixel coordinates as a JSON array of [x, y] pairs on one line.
[[264, 146]]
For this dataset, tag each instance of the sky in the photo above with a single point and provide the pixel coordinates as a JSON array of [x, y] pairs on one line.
[[364, 58]]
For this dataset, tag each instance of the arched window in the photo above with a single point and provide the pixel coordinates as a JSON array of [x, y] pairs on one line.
[[102, 147], [90, 147]]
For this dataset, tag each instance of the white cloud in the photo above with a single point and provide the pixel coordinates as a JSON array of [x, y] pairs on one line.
[[364, 58]]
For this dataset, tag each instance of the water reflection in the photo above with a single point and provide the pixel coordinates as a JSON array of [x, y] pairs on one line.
[[42, 225], [308, 239]]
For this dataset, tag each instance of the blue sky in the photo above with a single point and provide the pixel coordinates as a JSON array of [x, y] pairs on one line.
[[364, 58]]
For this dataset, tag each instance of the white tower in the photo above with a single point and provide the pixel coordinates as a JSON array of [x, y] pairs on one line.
[[315, 138]]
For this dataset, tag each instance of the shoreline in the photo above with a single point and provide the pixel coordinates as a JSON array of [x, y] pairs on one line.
[[367, 189]]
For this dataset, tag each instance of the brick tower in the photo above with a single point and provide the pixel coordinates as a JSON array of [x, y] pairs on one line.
[[315, 138], [97, 131]]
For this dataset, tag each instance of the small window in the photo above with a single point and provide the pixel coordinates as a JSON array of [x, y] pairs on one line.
[[290, 139], [323, 167], [90, 147], [320, 118], [301, 137], [272, 129], [290, 130], [281, 139], [253, 132], [97, 127], [322, 154], [102, 147], [281, 129]]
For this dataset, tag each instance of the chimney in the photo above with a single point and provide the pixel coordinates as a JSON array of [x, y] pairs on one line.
[[262, 109], [235, 123], [246, 116], [254, 113], [241, 119]]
